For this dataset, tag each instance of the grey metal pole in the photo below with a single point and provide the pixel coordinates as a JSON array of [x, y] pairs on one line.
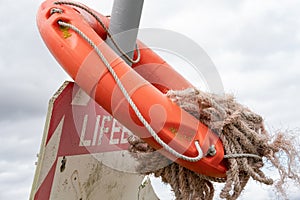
[[124, 24]]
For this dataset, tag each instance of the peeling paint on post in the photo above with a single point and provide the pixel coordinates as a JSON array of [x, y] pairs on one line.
[[67, 169]]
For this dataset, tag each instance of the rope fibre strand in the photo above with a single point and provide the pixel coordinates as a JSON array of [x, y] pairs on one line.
[[119, 49], [241, 155], [242, 132], [130, 101]]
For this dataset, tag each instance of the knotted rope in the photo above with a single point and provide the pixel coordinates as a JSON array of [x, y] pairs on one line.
[[242, 133]]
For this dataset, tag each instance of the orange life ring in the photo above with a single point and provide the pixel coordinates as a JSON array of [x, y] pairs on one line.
[[173, 125]]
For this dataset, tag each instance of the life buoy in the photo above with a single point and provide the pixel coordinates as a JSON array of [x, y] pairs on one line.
[[177, 128]]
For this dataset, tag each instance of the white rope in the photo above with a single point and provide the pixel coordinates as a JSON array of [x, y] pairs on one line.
[[242, 155], [130, 101]]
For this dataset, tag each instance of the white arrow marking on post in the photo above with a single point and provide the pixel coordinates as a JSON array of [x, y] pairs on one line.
[[81, 98], [50, 154]]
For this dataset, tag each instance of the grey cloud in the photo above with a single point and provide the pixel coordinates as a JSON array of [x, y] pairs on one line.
[[267, 32], [29, 73], [16, 179], [20, 141], [261, 39], [20, 138]]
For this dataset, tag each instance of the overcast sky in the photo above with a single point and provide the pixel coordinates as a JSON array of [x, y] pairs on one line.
[[255, 45]]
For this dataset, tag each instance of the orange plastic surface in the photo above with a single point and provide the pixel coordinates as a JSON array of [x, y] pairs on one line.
[[176, 127]]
